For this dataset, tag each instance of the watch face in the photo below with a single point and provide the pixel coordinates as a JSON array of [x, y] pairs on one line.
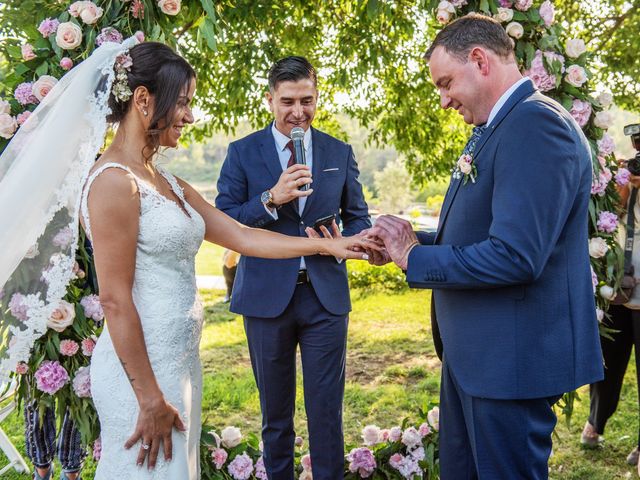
[[265, 197]]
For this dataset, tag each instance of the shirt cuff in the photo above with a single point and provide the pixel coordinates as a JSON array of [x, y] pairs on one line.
[[273, 212]]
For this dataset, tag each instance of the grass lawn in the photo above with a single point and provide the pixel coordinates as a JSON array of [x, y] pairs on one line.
[[209, 259], [392, 372]]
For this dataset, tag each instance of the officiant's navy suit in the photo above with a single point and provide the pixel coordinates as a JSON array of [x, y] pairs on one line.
[[280, 313], [510, 273]]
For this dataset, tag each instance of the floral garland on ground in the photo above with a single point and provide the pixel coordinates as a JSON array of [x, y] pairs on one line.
[[401, 452], [559, 67]]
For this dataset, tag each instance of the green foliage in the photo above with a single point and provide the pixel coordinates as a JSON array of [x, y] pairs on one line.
[[373, 278]]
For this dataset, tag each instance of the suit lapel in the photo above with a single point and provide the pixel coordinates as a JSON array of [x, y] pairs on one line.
[[269, 154], [524, 90], [319, 155]]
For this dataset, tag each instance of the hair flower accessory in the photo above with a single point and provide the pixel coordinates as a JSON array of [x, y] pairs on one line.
[[121, 90]]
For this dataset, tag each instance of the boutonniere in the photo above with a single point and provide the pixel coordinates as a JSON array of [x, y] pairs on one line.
[[465, 168]]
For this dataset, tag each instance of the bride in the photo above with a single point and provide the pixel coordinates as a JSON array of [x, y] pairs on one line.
[[146, 226]]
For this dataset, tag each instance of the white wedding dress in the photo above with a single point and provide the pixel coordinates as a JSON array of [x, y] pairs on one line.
[[165, 295]]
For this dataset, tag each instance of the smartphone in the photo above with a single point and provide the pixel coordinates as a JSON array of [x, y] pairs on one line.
[[326, 221]]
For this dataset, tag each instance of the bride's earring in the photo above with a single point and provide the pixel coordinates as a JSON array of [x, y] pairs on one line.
[[145, 113]]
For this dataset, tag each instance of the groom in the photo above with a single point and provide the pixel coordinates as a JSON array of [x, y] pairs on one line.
[[303, 301], [509, 264]]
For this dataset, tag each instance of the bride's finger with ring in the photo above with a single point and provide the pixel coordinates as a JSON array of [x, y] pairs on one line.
[[145, 446]]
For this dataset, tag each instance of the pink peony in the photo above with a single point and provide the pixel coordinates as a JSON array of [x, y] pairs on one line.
[[361, 460], [599, 184], [305, 461], [261, 473], [505, 3], [82, 382], [370, 435], [407, 466], [22, 368], [66, 63], [18, 308], [88, 344], [606, 145], [92, 307], [384, 434], [97, 449], [547, 13], [523, 5], [51, 377], [581, 112], [69, 348], [22, 117], [424, 429], [241, 467], [539, 75], [27, 52], [109, 34], [594, 280], [623, 176], [64, 237], [219, 456], [48, 26], [433, 417], [607, 221], [395, 434], [411, 437], [24, 93]]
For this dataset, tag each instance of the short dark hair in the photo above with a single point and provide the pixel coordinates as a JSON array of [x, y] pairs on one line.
[[462, 35], [165, 74], [291, 69]]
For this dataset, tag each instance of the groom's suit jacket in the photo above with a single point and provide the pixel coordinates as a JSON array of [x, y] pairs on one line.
[[509, 264], [264, 287]]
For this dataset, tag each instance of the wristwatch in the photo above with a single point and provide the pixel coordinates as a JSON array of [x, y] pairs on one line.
[[267, 199]]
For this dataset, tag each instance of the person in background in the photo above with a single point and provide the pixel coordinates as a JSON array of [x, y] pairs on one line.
[[230, 261]]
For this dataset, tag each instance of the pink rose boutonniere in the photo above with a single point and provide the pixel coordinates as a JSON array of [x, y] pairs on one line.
[[465, 169]]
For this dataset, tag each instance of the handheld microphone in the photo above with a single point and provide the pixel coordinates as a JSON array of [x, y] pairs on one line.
[[297, 135]]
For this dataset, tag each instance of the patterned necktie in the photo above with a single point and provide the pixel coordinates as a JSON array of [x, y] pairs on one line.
[[292, 159], [473, 140]]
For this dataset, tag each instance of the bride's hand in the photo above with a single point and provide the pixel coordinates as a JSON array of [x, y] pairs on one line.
[[348, 247], [156, 421]]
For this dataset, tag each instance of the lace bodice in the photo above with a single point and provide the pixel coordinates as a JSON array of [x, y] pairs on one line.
[[165, 295]]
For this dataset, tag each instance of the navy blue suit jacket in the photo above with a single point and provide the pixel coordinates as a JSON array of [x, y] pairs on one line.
[[509, 264], [264, 287]]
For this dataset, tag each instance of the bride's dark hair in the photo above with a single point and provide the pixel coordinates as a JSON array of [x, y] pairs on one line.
[[165, 74]]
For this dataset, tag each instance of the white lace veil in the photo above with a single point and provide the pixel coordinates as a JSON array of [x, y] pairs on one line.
[[42, 172]]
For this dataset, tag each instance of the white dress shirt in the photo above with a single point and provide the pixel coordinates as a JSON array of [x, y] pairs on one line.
[[503, 99]]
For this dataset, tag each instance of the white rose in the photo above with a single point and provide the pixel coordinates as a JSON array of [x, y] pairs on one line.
[[8, 125], [607, 292], [575, 47], [599, 314], [170, 7], [603, 119], [465, 168], [433, 417], [598, 247], [443, 17], [68, 36], [371, 435], [515, 30], [576, 75], [411, 437], [605, 99], [447, 7], [43, 85], [5, 107], [62, 316], [504, 15], [231, 437], [90, 13]]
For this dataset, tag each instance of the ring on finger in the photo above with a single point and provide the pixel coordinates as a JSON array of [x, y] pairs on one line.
[[145, 446]]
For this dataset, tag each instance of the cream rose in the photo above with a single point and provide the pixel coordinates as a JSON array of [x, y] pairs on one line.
[[599, 314], [43, 85], [575, 47], [5, 107], [170, 7], [27, 52], [515, 30], [605, 99], [88, 11], [443, 17], [61, 317], [231, 437], [371, 435], [8, 125], [576, 75], [607, 292], [504, 15], [603, 119], [68, 36], [598, 247]]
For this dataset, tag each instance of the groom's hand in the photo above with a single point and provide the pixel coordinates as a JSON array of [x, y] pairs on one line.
[[376, 257], [398, 237], [290, 180]]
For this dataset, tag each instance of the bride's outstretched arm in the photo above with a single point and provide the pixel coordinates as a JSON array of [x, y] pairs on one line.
[[114, 202], [256, 242]]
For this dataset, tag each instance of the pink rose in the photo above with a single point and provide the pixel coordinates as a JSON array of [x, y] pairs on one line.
[[504, 15], [515, 30], [8, 125], [68, 36], [5, 107], [43, 85], [22, 117], [581, 112], [598, 247], [89, 12], [576, 75], [22, 368], [66, 63], [139, 35], [69, 348], [219, 456], [88, 344], [547, 13], [524, 5], [370, 435], [62, 316], [27, 52], [169, 7]]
